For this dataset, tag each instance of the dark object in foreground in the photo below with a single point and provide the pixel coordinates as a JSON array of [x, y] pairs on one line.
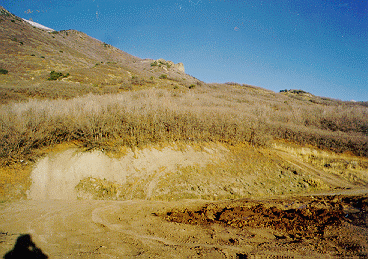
[[25, 248]]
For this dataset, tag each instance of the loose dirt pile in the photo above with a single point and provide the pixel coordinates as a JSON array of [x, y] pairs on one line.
[[319, 221]]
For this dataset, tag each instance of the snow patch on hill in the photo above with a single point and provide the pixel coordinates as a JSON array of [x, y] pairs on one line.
[[40, 26]]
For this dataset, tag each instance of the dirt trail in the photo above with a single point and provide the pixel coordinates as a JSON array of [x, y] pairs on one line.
[[102, 229], [332, 180], [142, 229]]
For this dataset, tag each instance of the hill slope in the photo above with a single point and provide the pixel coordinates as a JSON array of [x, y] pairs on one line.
[[31, 53]]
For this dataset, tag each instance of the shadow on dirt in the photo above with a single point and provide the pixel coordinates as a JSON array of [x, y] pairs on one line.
[[25, 248]]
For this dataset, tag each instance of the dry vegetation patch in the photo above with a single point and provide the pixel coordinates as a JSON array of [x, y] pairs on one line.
[[347, 166], [217, 113]]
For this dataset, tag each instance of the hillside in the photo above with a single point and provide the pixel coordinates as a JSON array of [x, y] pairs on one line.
[[31, 53], [103, 154]]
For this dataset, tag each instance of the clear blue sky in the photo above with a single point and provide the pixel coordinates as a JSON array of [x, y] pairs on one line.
[[320, 46]]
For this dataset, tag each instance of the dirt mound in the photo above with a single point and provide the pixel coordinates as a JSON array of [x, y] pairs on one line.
[[293, 220], [307, 221]]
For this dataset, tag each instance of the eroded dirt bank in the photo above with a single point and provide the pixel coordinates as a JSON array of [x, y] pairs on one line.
[[73, 174], [193, 201], [175, 172], [209, 171]]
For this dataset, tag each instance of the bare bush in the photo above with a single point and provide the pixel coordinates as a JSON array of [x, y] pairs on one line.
[[212, 113]]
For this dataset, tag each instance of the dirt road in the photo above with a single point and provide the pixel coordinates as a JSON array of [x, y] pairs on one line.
[[104, 229], [190, 229]]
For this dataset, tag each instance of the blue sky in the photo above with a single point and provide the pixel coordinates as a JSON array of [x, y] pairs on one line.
[[320, 46]]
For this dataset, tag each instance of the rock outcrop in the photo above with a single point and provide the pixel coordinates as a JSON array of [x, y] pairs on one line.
[[168, 64], [180, 67]]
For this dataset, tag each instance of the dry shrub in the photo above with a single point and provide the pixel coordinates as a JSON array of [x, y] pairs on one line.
[[19, 91], [231, 114], [133, 118], [337, 141]]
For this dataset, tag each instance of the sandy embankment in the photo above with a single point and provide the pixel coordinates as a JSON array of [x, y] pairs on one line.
[[57, 175]]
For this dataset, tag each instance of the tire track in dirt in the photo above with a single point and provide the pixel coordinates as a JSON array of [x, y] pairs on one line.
[[98, 218], [133, 229], [104, 229]]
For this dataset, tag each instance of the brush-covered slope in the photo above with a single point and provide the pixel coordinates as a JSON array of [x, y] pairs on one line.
[[187, 109], [30, 53]]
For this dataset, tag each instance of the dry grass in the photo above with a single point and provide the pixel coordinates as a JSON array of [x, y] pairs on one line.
[[23, 91], [239, 117], [14, 180], [217, 113], [346, 166]]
